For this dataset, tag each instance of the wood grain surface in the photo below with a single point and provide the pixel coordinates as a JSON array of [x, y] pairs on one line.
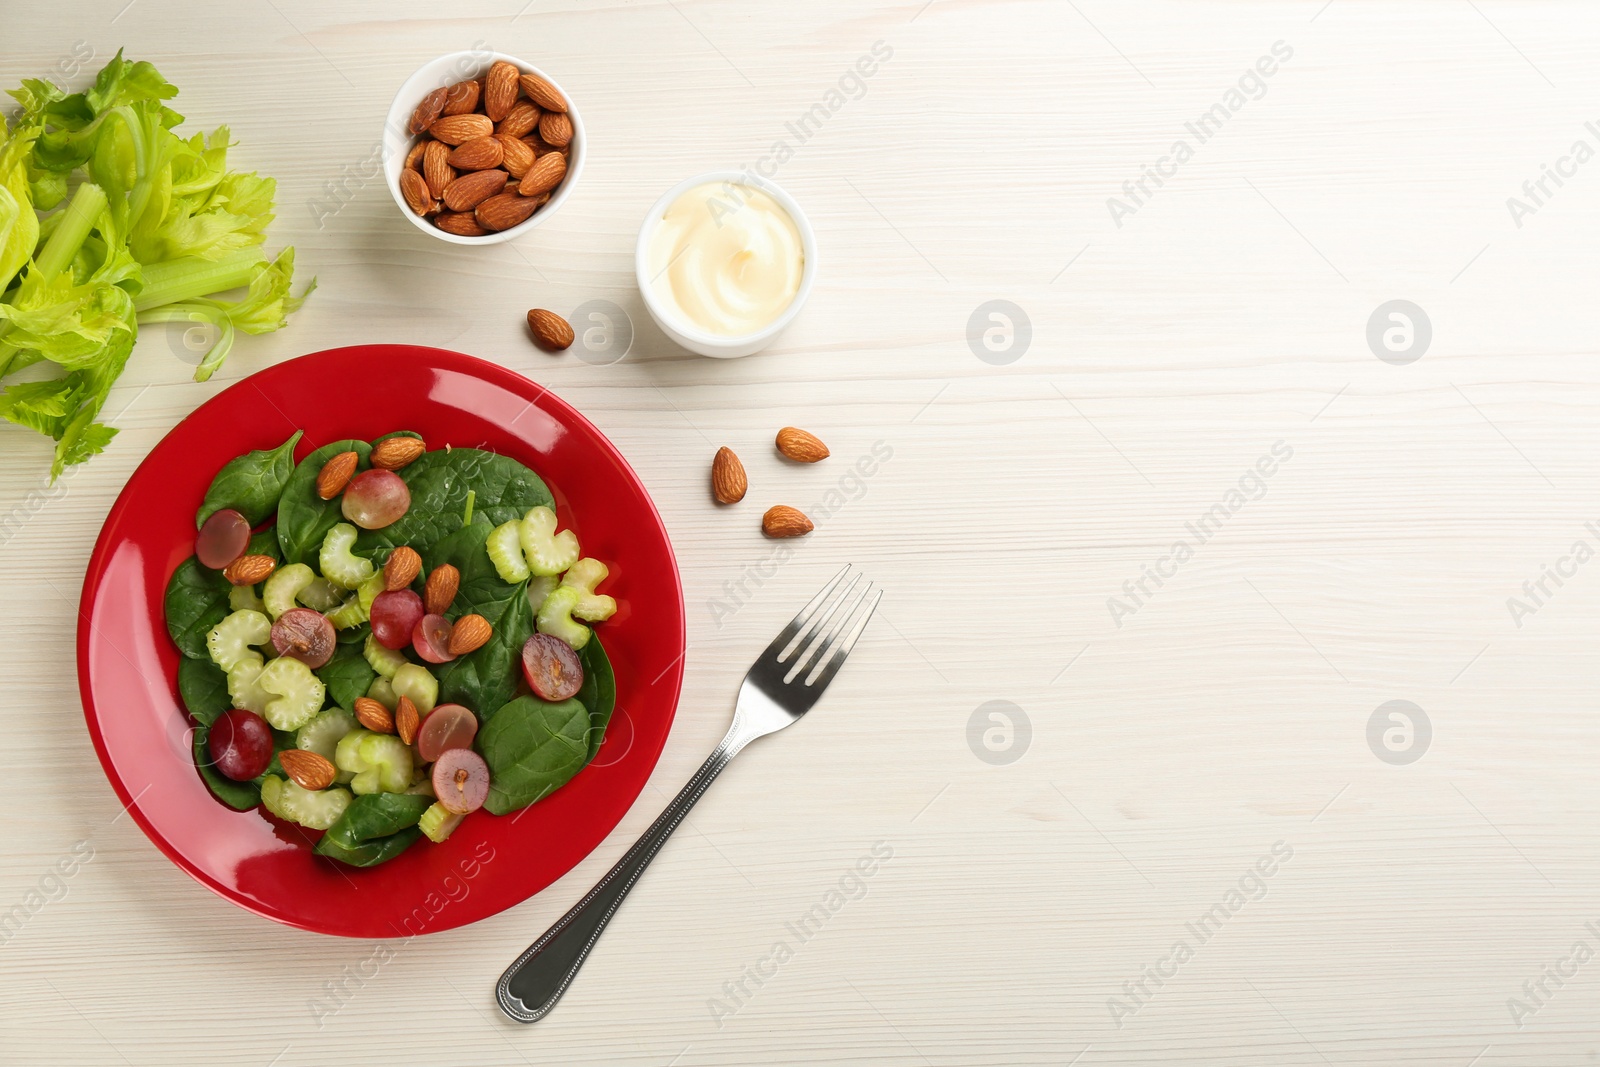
[[1159, 752]]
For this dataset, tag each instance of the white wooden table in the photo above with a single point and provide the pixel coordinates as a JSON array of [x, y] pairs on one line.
[[1163, 758]]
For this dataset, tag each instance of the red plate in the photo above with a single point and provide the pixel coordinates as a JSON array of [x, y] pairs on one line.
[[127, 666]]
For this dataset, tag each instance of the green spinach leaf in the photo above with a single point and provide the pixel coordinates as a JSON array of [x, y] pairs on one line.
[[347, 675], [204, 689], [439, 482], [250, 484], [196, 600], [369, 853], [375, 828], [304, 518], [533, 748], [599, 691], [240, 796], [485, 679]]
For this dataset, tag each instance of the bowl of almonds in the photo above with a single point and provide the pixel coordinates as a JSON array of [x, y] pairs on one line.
[[480, 147]]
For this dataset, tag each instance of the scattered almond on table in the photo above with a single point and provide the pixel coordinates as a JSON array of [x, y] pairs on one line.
[[800, 446], [550, 330], [783, 521], [728, 480], [490, 152]]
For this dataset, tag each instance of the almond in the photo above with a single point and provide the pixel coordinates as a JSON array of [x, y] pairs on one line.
[[436, 167], [439, 592], [310, 770], [728, 480], [516, 157], [521, 120], [505, 210], [545, 174], [462, 98], [470, 633], [541, 92], [549, 329], [336, 474], [374, 716], [480, 153], [414, 157], [406, 720], [472, 189], [415, 189], [401, 568], [453, 129], [460, 223], [392, 453], [248, 570], [499, 90], [427, 112], [555, 128], [784, 521], [800, 446]]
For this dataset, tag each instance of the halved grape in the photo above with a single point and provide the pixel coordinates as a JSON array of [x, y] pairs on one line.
[[222, 539], [375, 498], [461, 780], [447, 727], [552, 668], [431, 638], [395, 617], [306, 635], [240, 744]]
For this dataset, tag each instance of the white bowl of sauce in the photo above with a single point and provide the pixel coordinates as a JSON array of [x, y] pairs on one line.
[[725, 261]]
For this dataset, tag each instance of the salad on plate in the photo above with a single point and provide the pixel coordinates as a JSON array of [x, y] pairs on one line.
[[384, 638]]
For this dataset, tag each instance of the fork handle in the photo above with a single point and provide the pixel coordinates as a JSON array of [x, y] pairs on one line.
[[532, 985]]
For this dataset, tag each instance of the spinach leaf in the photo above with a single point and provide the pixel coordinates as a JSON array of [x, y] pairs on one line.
[[196, 600], [356, 635], [240, 796], [250, 484], [375, 828], [488, 677], [304, 518], [369, 853], [599, 691], [347, 675], [439, 482], [533, 748], [204, 689]]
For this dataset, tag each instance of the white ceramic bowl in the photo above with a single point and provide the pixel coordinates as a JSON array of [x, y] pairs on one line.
[[697, 340], [447, 70]]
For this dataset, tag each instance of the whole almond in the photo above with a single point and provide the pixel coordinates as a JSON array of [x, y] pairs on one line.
[[414, 157], [549, 329], [392, 453], [470, 633], [521, 120], [516, 157], [462, 98], [728, 480], [406, 720], [336, 474], [248, 570], [480, 153], [460, 223], [454, 129], [472, 189], [415, 189], [439, 592], [310, 770], [505, 210], [545, 174], [543, 93], [374, 716], [555, 128], [800, 446], [499, 90], [436, 167], [427, 112], [401, 568], [784, 521]]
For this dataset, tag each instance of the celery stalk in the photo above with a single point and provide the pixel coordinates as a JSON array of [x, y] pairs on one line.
[[190, 277]]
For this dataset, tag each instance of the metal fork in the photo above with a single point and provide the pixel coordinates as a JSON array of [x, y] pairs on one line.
[[783, 684]]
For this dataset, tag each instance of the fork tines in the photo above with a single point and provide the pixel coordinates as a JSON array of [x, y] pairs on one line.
[[818, 651]]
